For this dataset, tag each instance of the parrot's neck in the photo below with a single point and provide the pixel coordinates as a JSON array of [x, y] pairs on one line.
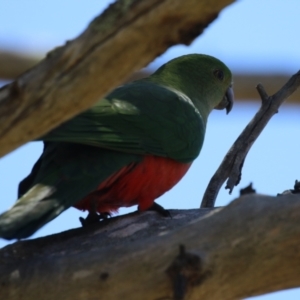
[[199, 95], [203, 109]]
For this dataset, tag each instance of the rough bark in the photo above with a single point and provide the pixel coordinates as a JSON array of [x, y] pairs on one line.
[[126, 37], [248, 248]]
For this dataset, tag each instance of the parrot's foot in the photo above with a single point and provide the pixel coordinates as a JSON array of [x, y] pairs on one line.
[[160, 210], [93, 218]]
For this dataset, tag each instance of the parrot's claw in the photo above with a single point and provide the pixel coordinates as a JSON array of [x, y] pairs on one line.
[[159, 209], [93, 218]]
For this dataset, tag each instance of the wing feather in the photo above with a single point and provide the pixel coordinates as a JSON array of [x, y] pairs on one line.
[[140, 118]]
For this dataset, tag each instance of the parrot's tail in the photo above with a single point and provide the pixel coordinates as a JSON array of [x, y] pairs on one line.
[[34, 209]]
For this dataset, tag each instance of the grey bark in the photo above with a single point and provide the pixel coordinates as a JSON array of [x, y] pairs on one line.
[[248, 248]]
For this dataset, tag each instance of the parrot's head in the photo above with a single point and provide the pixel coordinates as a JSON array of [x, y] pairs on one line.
[[204, 79]]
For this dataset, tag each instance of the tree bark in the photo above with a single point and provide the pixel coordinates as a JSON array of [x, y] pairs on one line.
[[248, 248], [126, 37]]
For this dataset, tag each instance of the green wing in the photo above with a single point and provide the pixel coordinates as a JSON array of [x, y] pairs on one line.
[[142, 118]]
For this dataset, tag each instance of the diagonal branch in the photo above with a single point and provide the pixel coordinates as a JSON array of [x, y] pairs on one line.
[[232, 164], [125, 38]]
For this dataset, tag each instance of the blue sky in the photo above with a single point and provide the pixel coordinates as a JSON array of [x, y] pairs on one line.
[[249, 36]]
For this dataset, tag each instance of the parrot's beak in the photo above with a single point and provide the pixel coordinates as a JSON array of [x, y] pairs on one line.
[[227, 101]]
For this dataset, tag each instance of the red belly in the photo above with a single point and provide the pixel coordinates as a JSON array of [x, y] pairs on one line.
[[138, 183]]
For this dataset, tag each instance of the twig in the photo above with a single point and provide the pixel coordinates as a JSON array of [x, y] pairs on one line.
[[232, 163]]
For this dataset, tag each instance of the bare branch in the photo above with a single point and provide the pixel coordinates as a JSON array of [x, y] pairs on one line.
[[245, 249], [126, 37], [232, 163]]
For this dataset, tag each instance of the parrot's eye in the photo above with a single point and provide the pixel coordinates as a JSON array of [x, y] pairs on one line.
[[219, 74]]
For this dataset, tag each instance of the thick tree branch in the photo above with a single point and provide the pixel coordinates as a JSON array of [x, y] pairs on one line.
[[232, 164], [248, 248], [126, 37]]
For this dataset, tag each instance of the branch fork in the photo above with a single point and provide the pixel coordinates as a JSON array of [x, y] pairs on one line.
[[231, 167]]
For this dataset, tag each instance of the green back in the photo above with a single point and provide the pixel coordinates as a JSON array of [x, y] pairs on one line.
[[142, 118], [164, 114]]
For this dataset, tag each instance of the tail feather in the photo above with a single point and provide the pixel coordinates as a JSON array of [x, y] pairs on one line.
[[30, 212], [28, 181]]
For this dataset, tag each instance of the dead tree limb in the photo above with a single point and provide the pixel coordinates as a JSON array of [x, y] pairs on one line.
[[232, 164], [126, 37], [248, 248]]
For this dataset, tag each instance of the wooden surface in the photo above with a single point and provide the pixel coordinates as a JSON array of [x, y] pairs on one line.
[[248, 248]]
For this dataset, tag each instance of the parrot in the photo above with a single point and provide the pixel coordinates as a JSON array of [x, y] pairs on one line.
[[128, 149]]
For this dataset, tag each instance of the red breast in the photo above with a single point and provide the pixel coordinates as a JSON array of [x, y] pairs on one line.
[[138, 183]]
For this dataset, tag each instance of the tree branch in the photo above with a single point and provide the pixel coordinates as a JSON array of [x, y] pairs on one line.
[[248, 248], [126, 37], [232, 164]]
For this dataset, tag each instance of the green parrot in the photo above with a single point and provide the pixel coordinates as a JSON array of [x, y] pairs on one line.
[[128, 149]]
